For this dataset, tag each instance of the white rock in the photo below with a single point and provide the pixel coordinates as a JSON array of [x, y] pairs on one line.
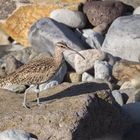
[[15, 135], [101, 69], [136, 11], [93, 39], [91, 55], [133, 109], [123, 38], [74, 19], [118, 97], [86, 77]]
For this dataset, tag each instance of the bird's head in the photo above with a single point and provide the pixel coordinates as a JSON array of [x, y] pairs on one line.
[[63, 46]]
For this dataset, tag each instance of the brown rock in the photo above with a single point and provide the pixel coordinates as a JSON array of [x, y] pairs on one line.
[[99, 12], [125, 70], [73, 77], [73, 112]]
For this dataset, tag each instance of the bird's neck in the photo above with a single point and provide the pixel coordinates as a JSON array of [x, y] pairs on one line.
[[58, 55]]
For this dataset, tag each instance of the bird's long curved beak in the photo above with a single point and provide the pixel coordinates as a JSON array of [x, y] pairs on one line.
[[76, 52]]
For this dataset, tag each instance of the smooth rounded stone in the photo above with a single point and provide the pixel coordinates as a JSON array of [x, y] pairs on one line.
[[91, 55], [133, 109], [118, 97], [73, 19], [73, 77], [102, 70], [99, 12], [137, 11], [14, 134], [86, 77], [45, 33], [122, 39], [93, 39]]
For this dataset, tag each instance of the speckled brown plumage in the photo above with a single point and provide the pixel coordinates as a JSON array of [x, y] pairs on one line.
[[36, 71]]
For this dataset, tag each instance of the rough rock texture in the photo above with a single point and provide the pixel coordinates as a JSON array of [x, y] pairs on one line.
[[91, 55], [99, 12], [73, 19], [72, 112], [102, 70], [45, 33], [16, 135], [6, 7], [125, 70], [122, 39]]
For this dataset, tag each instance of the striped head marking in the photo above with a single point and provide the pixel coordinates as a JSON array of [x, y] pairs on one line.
[[64, 47]]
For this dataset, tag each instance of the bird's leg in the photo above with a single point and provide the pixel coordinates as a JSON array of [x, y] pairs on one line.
[[37, 93], [25, 97]]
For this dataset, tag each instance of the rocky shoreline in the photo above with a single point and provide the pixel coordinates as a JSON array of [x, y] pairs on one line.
[[95, 98]]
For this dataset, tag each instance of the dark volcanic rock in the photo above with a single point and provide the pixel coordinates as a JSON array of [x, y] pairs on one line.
[[99, 12]]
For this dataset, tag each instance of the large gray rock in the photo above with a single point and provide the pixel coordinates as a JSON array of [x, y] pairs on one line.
[[14, 134], [123, 38], [83, 111], [73, 19], [133, 110], [45, 33]]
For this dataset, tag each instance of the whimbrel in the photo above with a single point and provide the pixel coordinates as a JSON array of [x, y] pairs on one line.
[[37, 71]]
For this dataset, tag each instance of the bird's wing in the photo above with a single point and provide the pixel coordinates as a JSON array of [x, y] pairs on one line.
[[35, 72]]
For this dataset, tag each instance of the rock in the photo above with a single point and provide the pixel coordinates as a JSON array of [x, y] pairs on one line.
[[73, 77], [136, 11], [86, 77], [128, 95], [133, 133], [133, 110], [45, 33], [102, 70], [99, 12], [73, 19], [91, 55], [122, 39], [24, 55], [4, 38], [93, 39], [125, 71], [134, 3], [73, 112], [17, 19], [118, 97], [11, 64], [14, 134]]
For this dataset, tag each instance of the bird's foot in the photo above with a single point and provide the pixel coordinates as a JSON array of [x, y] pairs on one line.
[[26, 106]]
